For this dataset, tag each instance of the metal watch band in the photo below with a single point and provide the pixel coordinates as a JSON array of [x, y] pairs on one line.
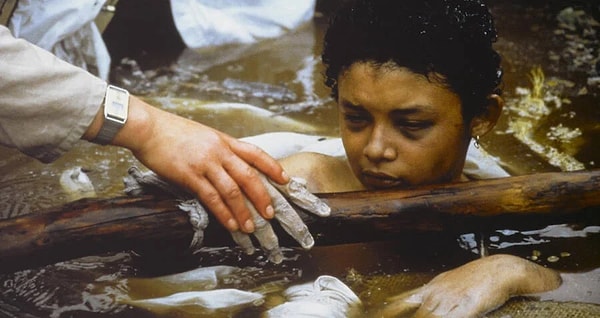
[[108, 131], [113, 120]]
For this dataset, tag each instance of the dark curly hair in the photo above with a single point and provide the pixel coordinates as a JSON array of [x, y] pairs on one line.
[[451, 38]]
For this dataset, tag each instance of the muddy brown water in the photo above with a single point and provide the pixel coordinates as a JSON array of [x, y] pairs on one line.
[[283, 76]]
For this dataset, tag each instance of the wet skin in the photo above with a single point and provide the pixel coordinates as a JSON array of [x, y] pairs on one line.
[[400, 128], [403, 129]]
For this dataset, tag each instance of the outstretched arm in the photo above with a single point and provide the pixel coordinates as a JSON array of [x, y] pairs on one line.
[[216, 167], [48, 105]]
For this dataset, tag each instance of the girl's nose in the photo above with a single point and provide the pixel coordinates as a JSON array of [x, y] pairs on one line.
[[379, 148]]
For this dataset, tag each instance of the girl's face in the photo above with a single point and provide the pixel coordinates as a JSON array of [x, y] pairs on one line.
[[400, 129]]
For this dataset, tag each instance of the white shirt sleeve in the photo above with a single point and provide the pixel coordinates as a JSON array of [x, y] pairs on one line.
[[46, 104]]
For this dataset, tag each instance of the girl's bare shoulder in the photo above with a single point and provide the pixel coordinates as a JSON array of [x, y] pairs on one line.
[[323, 173]]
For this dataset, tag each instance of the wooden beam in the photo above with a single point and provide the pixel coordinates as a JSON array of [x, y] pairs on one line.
[[93, 226]]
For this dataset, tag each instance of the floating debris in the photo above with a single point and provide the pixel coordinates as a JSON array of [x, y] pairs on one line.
[[531, 108], [129, 75], [259, 90], [262, 120], [76, 184], [307, 106], [580, 32], [535, 255], [563, 134]]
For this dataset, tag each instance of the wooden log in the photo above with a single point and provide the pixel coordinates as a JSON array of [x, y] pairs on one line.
[[525, 202], [93, 226]]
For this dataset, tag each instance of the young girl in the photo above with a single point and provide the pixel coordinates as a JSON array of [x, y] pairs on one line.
[[415, 82]]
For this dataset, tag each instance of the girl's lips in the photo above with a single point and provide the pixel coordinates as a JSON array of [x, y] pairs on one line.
[[380, 180]]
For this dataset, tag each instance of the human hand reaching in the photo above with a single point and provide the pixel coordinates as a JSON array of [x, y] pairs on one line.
[[218, 169], [474, 288]]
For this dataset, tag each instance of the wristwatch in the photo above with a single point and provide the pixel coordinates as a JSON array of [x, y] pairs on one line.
[[116, 108]]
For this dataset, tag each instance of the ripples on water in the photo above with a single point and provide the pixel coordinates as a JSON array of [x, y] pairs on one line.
[[20, 194], [89, 284], [287, 72]]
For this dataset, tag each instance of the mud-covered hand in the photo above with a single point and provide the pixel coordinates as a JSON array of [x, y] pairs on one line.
[[295, 190], [474, 289], [138, 182]]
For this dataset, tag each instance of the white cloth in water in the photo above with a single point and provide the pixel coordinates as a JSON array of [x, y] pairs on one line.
[[208, 299], [195, 291], [481, 165], [65, 28], [204, 23], [202, 278], [326, 297], [282, 144]]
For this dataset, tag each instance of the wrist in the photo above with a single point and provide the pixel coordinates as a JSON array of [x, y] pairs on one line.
[[139, 127]]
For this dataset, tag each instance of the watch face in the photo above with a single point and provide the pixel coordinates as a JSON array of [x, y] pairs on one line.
[[116, 104]]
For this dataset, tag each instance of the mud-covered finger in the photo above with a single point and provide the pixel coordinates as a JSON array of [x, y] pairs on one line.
[[298, 193], [243, 240], [268, 241], [291, 222], [289, 218]]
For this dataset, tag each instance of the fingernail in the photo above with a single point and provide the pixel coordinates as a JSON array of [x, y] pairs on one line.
[[270, 212], [249, 226], [276, 257], [308, 242], [249, 250], [285, 176], [232, 225]]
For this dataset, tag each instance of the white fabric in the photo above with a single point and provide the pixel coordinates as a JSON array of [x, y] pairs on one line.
[[478, 164], [208, 299], [195, 290], [217, 22], [481, 165], [46, 104], [326, 297], [65, 28], [282, 144]]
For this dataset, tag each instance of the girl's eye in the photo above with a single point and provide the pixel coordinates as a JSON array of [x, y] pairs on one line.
[[414, 125], [356, 120], [413, 129]]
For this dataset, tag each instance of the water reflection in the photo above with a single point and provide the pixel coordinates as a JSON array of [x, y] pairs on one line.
[[277, 85]]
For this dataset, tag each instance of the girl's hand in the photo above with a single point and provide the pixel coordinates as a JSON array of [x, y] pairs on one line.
[[474, 288]]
